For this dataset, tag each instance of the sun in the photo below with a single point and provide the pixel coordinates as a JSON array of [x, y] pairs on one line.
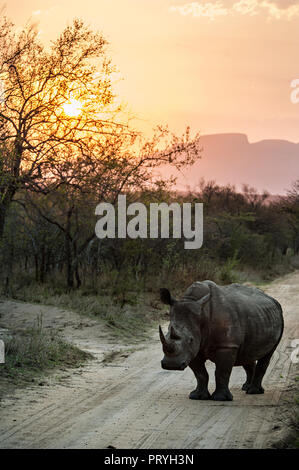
[[72, 108]]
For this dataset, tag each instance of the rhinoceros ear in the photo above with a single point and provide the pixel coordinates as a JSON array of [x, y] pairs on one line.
[[204, 299], [165, 297]]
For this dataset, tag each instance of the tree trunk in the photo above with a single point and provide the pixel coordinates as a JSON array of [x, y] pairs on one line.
[[36, 266], [3, 210], [9, 269], [69, 264], [76, 268], [42, 265], [78, 280], [5, 201], [68, 252]]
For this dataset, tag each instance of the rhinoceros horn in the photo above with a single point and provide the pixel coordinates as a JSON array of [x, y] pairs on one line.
[[162, 337], [167, 347]]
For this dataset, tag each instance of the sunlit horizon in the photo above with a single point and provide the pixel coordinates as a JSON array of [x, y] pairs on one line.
[[221, 73], [218, 67]]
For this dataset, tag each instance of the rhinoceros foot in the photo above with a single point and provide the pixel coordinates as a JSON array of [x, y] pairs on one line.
[[245, 386], [199, 395], [222, 395], [254, 390]]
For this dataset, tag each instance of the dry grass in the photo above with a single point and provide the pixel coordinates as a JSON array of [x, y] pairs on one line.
[[32, 351]]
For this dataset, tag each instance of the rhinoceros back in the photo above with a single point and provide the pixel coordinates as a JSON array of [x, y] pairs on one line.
[[241, 315]]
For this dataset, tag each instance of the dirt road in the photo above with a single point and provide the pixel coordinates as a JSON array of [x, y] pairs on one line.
[[133, 403]]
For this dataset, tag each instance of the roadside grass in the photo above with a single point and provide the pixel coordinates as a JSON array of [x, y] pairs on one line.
[[31, 352], [295, 419], [289, 419], [128, 318]]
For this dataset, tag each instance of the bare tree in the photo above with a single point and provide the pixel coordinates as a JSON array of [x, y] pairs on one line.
[[59, 122], [40, 89]]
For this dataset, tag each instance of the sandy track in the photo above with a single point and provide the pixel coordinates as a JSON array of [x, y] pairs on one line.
[[133, 403]]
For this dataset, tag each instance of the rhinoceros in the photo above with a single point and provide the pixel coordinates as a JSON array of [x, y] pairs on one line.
[[233, 325]]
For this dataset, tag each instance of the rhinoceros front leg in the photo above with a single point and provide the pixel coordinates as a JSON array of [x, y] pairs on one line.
[[201, 392], [224, 360]]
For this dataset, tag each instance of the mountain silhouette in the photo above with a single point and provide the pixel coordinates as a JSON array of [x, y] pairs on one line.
[[271, 165]]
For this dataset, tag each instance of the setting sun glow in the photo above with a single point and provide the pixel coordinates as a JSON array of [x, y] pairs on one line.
[[72, 108]]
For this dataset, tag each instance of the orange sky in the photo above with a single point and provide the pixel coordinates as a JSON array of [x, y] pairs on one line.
[[219, 66]]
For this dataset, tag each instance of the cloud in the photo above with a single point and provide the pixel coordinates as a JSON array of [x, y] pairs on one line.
[[210, 10], [285, 3], [246, 7], [277, 9]]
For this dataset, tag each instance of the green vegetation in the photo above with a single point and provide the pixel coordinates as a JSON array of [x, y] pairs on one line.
[[246, 238]]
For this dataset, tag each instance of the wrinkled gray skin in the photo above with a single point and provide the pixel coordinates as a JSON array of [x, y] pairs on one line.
[[231, 326]]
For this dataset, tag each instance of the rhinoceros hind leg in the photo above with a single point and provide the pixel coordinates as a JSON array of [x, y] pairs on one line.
[[254, 390], [249, 369], [260, 370], [200, 395]]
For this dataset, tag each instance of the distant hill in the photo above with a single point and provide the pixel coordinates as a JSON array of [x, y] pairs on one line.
[[271, 165]]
